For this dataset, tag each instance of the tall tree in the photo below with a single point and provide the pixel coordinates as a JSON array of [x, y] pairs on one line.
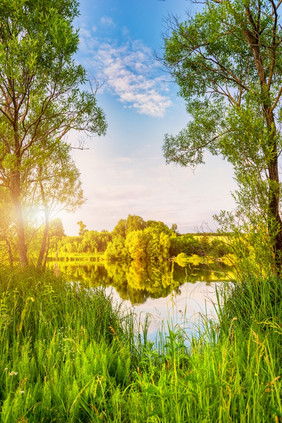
[[40, 90], [82, 228], [227, 60], [57, 186]]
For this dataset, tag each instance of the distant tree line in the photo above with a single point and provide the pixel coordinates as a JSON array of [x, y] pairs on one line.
[[143, 241]]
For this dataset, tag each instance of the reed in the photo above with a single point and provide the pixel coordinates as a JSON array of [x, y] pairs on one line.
[[67, 354]]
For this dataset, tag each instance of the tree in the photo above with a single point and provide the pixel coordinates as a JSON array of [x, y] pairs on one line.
[[58, 187], [41, 94], [136, 243], [90, 241], [158, 226], [227, 61], [134, 223], [120, 228], [82, 228], [174, 228], [116, 250], [57, 228]]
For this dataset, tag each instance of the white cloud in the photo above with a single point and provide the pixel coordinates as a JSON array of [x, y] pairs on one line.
[[131, 73], [128, 70], [84, 33], [86, 40], [107, 21]]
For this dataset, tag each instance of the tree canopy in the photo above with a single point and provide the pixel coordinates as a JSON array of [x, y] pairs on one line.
[[227, 61], [43, 92]]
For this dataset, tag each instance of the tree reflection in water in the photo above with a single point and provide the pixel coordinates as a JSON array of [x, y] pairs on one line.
[[137, 282]]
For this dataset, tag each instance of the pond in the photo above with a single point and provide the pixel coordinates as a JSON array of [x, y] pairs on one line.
[[167, 295]]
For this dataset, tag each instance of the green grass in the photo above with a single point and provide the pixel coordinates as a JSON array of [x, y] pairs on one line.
[[67, 355]]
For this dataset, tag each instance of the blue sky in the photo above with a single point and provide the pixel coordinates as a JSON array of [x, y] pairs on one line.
[[124, 172]]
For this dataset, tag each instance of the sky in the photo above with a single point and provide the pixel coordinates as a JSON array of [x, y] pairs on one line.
[[124, 172]]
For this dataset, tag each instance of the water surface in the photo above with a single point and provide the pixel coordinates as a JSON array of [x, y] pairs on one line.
[[169, 295]]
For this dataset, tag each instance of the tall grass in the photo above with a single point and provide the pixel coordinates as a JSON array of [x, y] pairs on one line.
[[67, 355]]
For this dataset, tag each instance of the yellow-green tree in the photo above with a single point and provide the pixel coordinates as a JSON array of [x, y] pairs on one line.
[[41, 91]]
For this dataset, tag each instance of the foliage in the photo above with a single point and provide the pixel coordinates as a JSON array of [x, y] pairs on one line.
[[151, 246], [248, 247], [227, 62], [44, 95], [82, 228], [56, 228], [116, 250], [57, 187], [132, 223], [91, 242], [147, 245], [69, 356], [200, 245], [35, 235]]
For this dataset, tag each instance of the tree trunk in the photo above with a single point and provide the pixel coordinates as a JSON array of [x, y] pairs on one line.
[[275, 223], [15, 195], [10, 253], [46, 251], [274, 219], [45, 243]]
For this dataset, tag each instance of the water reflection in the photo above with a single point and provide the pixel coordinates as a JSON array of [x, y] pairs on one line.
[[170, 294], [137, 283], [187, 308]]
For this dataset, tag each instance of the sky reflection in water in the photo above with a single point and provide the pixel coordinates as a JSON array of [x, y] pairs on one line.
[[172, 297], [186, 309]]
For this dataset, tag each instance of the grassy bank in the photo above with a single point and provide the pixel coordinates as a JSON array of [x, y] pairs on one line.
[[68, 356]]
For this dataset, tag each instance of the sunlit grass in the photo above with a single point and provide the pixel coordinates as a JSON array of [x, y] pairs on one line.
[[67, 356]]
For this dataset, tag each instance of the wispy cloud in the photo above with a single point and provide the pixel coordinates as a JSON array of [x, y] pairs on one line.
[[128, 69], [132, 74], [107, 21]]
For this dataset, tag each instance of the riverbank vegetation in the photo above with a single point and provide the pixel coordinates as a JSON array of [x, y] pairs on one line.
[[134, 239], [67, 354]]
